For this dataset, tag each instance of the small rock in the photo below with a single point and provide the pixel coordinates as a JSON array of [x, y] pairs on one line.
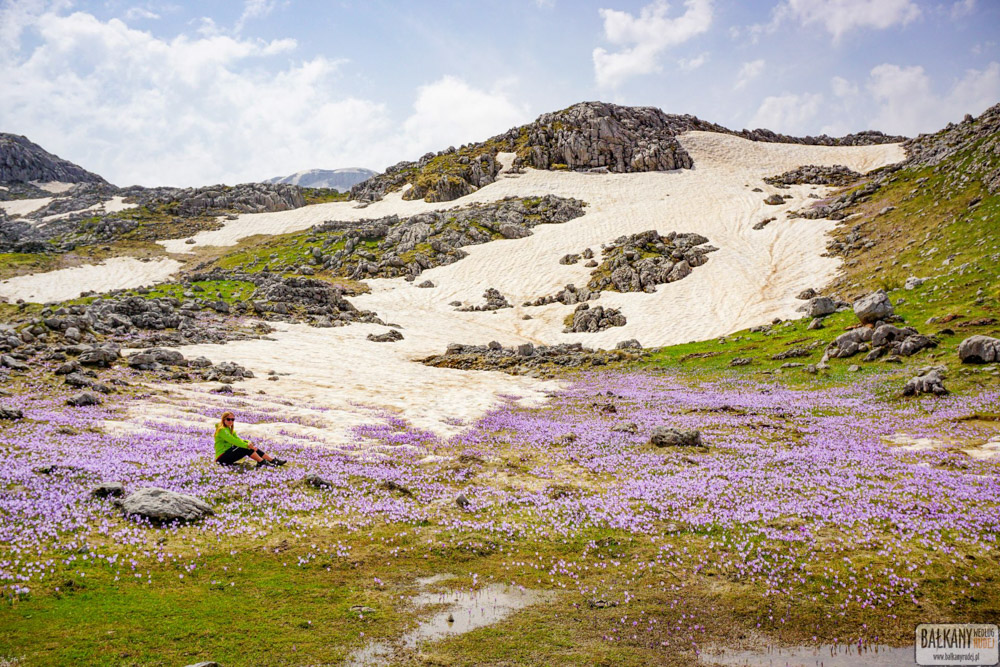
[[108, 489], [10, 414], [625, 427], [316, 481], [390, 336], [84, 398], [462, 501], [664, 436]]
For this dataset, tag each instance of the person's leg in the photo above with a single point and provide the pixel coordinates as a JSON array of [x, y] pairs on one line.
[[267, 457], [231, 455]]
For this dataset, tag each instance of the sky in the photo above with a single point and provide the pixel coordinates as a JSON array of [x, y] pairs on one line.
[[199, 93]]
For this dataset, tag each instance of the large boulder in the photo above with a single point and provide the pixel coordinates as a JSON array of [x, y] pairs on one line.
[[665, 436], [979, 350], [873, 307], [162, 506], [818, 306], [99, 356], [10, 414]]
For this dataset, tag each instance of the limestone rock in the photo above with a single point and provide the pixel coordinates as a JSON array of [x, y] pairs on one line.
[[929, 381], [163, 506], [873, 307], [979, 350]]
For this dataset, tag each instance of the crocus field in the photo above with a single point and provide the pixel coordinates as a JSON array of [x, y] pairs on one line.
[[798, 522]]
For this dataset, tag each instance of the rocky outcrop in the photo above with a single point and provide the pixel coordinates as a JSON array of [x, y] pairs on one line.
[[528, 359], [589, 136], [22, 161], [837, 175], [393, 247], [493, 299], [568, 296], [591, 320], [640, 262], [220, 199], [979, 135]]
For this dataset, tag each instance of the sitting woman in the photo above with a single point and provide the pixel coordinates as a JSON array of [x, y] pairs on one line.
[[230, 448]]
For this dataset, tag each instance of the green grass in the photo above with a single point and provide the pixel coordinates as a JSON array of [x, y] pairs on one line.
[[324, 195], [230, 291], [17, 263]]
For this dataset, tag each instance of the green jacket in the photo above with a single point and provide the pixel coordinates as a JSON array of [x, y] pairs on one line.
[[225, 438]]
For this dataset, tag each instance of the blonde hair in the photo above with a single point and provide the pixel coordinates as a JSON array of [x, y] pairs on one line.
[[221, 425]]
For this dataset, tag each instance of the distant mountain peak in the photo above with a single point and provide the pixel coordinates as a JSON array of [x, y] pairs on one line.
[[338, 179]]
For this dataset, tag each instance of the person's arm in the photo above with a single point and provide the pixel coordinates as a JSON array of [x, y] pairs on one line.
[[233, 440]]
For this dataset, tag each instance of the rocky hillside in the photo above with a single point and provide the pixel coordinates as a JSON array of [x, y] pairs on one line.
[[590, 136], [334, 179], [22, 161]]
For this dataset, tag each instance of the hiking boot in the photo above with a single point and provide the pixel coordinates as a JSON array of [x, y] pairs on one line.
[[278, 462], [264, 464]]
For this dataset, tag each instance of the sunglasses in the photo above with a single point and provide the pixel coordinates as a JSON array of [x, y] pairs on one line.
[[228, 419]]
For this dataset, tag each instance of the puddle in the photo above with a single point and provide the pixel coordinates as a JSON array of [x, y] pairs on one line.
[[827, 655], [457, 612]]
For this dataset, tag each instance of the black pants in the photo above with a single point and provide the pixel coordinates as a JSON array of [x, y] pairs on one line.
[[234, 454]]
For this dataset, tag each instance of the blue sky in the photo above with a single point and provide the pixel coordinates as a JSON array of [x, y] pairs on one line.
[[198, 93]]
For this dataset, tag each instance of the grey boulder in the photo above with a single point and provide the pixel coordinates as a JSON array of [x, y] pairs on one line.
[[929, 381], [163, 506], [818, 306], [873, 307], [979, 350]]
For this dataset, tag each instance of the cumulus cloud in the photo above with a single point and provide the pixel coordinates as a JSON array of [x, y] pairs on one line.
[[843, 88], [691, 64], [748, 72], [643, 38], [451, 112], [908, 105], [208, 108], [789, 113], [839, 17]]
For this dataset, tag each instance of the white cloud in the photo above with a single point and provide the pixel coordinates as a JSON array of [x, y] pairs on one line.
[[842, 87], [140, 14], [748, 72], [254, 9], [645, 37], [908, 105], [839, 17], [962, 8], [209, 108], [691, 64], [789, 113], [451, 112]]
